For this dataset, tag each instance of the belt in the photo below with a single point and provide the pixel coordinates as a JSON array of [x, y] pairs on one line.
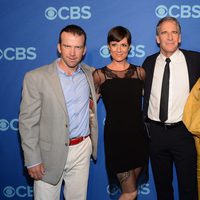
[[167, 125], [77, 140]]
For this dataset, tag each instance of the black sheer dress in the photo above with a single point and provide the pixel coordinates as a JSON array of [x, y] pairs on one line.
[[124, 138]]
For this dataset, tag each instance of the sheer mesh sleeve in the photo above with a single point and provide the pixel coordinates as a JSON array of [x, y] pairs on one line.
[[99, 78], [141, 73]]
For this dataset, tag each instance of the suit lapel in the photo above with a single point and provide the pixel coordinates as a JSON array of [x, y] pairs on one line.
[[190, 68], [56, 86], [150, 74], [89, 77]]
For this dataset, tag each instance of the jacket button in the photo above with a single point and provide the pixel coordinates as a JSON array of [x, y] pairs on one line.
[[66, 144], [66, 125]]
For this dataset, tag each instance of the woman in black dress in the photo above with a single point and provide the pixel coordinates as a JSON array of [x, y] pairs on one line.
[[120, 85]]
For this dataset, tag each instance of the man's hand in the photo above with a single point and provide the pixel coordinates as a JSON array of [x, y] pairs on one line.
[[36, 172]]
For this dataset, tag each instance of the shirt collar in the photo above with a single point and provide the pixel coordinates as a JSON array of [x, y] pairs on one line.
[[79, 69], [173, 57]]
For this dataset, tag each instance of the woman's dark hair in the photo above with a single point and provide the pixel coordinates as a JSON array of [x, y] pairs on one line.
[[118, 33]]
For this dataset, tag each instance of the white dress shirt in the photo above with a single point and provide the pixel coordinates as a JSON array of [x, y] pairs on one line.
[[178, 87]]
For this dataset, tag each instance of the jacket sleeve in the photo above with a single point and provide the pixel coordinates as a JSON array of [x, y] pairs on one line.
[[29, 117], [191, 113]]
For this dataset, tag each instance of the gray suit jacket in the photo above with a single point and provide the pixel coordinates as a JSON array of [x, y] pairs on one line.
[[43, 120]]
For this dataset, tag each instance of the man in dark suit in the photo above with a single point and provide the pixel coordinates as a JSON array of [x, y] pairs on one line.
[[170, 142]]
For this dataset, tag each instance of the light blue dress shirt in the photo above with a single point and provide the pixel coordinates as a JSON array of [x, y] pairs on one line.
[[76, 93]]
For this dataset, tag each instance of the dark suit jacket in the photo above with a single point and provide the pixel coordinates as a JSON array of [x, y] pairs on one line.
[[193, 64]]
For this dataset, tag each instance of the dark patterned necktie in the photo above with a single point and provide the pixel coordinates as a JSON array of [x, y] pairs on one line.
[[165, 93]]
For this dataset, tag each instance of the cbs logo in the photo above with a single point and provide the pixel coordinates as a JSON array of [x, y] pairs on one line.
[[18, 53], [136, 51], [20, 191], [114, 190], [178, 11], [65, 13]]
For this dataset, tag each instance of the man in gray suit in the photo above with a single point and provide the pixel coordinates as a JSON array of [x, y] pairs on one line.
[[57, 121]]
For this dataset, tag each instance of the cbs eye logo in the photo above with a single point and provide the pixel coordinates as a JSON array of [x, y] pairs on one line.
[[9, 192], [161, 11], [113, 190], [104, 51]]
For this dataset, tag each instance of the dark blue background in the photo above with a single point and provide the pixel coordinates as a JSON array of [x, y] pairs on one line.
[[28, 39]]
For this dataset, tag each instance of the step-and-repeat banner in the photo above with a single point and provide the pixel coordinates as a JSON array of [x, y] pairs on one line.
[[28, 39]]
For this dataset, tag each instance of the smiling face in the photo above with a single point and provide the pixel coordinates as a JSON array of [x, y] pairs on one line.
[[119, 50], [168, 37], [71, 49]]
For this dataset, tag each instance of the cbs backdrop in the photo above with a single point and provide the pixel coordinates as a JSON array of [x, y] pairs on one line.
[[28, 39]]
